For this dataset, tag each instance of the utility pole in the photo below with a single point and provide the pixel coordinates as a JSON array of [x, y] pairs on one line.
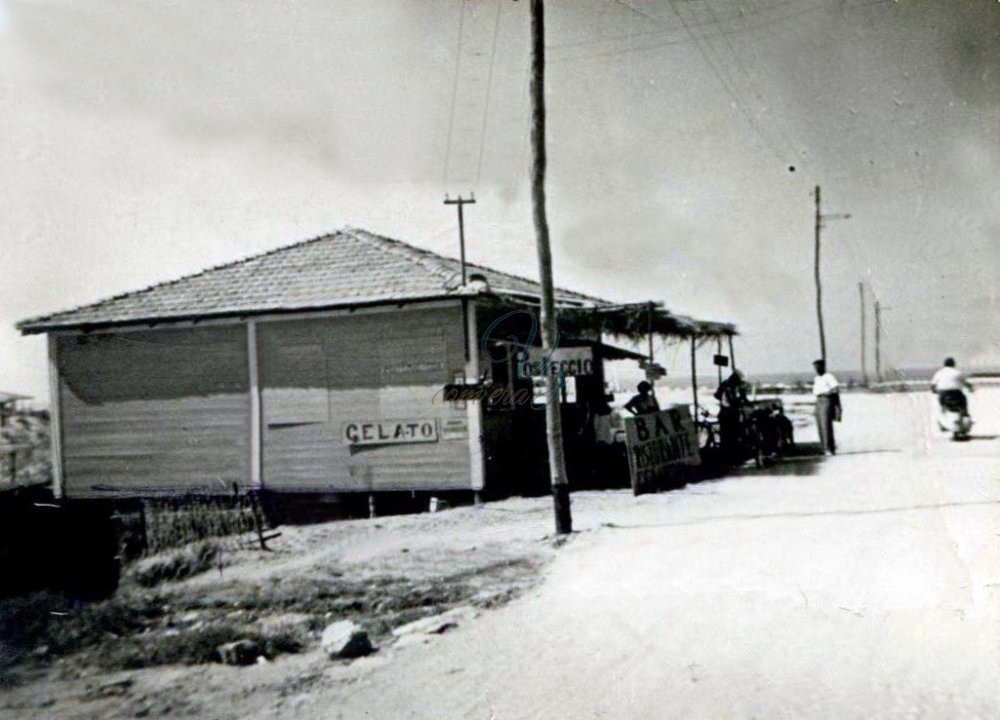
[[864, 363], [461, 202], [878, 341], [820, 217], [553, 411]]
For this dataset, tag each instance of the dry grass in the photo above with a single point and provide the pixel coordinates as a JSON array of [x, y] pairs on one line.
[[177, 564], [178, 624]]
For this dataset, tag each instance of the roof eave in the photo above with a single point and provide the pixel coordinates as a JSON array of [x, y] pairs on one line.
[[37, 327]]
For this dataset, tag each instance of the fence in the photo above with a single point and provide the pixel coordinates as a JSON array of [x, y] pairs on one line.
[[164, 523]]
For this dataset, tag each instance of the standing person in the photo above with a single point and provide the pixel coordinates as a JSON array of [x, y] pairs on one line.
[[732, 397], [644, 402], [827, 392], [949, 382]]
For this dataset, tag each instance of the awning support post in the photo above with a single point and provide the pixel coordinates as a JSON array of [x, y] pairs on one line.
[[694, 375], [718, 351]]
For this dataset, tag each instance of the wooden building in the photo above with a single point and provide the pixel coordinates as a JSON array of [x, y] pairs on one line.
[[318, 367]]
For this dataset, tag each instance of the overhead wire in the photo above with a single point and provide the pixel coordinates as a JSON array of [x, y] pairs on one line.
[[725, 84], [454, 95], [489, 87], [743, 30], [747, 72]]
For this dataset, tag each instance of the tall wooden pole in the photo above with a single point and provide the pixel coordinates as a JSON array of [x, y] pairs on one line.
[[820, 217], [553, 411], [878, 341], [461, 202], [864, 358], [732, 353], [819, 289]]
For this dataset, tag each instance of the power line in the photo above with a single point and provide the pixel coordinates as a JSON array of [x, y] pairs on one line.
[[658, 33], [667, 43], [454, 94], [747, 72], [489, 85], [725, 84]]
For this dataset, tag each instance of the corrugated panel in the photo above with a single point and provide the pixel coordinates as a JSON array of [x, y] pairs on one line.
[[378, 366], [155, 411]]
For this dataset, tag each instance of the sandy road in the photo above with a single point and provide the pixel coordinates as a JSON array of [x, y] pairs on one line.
[[861, 586]]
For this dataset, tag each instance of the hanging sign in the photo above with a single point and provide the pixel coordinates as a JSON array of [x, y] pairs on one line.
[[655, 371], [572, 360]]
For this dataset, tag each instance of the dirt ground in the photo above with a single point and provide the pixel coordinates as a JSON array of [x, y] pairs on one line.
[[865, 585]]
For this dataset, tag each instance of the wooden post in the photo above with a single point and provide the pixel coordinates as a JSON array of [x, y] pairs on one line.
[[461, 202], [878, 341], [649, 334], [694, 376], [816, 274], [649, 330], [553, 411], [55, 419], [256, 480], [864, 359], [258, 518], [732, 353], [819, 290], [144, 527], [718, 351], [474, 410]]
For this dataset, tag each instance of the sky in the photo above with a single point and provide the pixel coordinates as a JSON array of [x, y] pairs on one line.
[[145, 140]]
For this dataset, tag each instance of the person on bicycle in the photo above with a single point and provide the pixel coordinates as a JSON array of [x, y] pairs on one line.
[[949, 383], [732, 397]]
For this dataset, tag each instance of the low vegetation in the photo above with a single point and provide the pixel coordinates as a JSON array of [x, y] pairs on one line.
[[178, 606]]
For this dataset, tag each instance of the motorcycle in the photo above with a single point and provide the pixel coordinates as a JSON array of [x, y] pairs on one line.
[[953, 415]]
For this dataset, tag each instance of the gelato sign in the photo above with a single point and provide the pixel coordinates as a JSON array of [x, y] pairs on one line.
[[390, 432]]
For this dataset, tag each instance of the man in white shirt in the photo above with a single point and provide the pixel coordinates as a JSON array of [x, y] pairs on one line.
[[949, 382], [827, 392]]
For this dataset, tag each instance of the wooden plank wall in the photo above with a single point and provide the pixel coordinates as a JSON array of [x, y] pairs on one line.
[[147, 412], [318, 375]]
